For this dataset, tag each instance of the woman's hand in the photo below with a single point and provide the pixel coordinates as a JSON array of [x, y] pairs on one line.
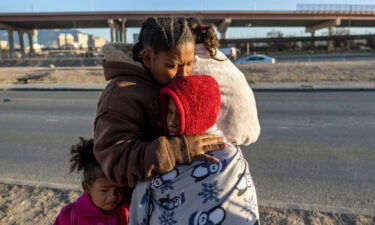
[[198, 145]]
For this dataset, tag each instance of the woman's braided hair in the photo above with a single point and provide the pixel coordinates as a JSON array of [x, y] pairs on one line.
[[162, 34], [205, 34], [83, 159]]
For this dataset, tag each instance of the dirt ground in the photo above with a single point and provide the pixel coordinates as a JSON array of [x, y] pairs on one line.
[[310, 72], [44, 75], [279, 72], [25, 205]]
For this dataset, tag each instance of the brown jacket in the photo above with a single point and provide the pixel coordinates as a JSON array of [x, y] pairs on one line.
[[127, 141]]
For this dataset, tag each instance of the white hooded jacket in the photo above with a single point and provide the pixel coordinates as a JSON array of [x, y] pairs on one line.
[[238, 117]]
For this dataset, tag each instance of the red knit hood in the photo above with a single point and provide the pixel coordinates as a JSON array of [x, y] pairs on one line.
[[197, 98]]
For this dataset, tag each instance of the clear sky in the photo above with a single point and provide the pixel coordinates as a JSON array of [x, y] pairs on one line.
[[9, 6], [136, 5]]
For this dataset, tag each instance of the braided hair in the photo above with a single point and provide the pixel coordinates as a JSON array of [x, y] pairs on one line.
[[162, 34], [83, 159], [205, 34]]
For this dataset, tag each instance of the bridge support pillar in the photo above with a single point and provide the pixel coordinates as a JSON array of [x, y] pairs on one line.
[[30, 35], [312, 41], [123, 30], [247, 48], [117, 32], [223, 26], [11, 43], [112, 28], [330, 46], [22, 43], [119, 36]]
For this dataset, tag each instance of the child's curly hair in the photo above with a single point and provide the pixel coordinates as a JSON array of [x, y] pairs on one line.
[[205, 34], [83, 159]]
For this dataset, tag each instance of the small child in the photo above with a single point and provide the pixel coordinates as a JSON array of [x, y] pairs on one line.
[[203, 193], [102, 202]]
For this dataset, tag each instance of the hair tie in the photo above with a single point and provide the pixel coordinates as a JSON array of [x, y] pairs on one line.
[[203, 28]]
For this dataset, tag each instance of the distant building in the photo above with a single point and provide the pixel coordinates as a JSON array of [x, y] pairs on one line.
[[96, 42], [4, 45], [82, 40], [79, 41], [61, 40], [36, 47], [69, 39]]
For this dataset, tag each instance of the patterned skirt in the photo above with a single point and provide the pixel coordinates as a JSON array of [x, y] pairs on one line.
[[202, 193]]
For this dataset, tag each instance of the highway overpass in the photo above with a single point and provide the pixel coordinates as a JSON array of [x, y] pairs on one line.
[[119, 21]]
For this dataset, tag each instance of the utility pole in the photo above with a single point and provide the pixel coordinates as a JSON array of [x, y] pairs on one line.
[[350, 18], [350, 25]]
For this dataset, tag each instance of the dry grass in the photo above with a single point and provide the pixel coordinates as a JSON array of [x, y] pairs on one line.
[[310, 72], [14, 75], [279, 72]]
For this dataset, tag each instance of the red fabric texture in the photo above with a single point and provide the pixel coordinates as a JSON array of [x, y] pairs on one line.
[[197, 98], [84, 212]]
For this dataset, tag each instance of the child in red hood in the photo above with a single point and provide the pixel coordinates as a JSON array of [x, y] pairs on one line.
[[102, 202]]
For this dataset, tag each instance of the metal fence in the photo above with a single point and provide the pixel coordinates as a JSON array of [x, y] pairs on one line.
[[336, 7]]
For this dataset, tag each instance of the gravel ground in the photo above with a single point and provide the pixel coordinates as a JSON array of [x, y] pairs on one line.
[[24, 205]]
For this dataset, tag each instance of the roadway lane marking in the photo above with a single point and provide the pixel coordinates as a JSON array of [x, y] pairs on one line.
[[283, 128], [52, 120]]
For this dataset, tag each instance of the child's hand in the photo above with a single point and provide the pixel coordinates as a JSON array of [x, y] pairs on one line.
[[200, 144]]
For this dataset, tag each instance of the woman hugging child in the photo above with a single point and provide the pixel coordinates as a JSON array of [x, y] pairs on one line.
[[129, 141]]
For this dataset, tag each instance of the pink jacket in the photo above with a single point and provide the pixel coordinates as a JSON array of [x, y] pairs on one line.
[[84, 212]]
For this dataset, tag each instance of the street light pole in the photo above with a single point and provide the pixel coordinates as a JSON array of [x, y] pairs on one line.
[[350, 25]]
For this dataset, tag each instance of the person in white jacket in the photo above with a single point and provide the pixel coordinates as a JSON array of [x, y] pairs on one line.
[[238, 117]]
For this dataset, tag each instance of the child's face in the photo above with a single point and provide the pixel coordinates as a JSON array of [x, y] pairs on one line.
[[104, 194], [172, 119], [166, 66]]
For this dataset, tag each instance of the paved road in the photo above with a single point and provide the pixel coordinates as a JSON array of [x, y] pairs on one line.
[[316, 148], [37, 130]]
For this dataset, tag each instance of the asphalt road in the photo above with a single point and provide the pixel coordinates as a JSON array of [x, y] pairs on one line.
[[316, 149]]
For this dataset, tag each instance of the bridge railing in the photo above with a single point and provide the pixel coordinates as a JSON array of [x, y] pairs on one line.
[[335, 7]]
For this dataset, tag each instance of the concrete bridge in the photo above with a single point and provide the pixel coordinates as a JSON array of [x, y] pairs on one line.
[[27, 23]]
